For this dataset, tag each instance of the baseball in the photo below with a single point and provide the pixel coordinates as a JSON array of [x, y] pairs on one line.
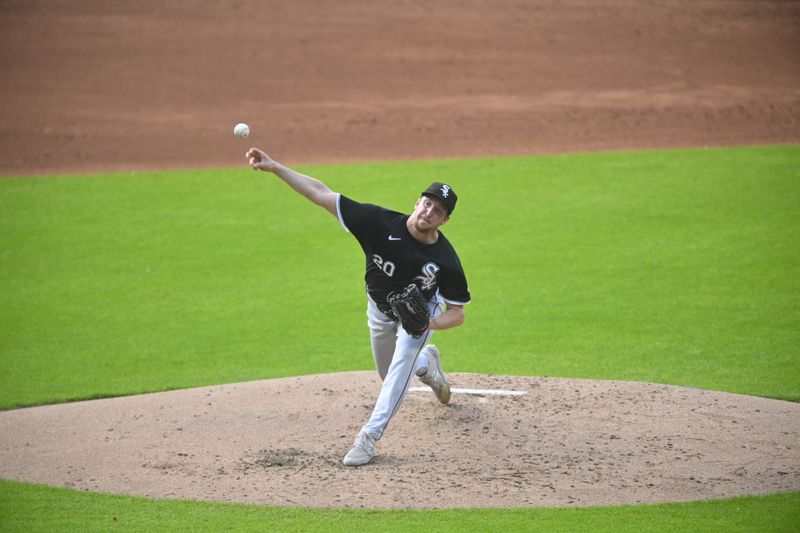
[[241, 130]]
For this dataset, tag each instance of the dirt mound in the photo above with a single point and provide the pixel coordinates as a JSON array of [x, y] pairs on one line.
[[281, 442]]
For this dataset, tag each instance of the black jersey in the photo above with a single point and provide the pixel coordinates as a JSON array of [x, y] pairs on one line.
[[395, 258]]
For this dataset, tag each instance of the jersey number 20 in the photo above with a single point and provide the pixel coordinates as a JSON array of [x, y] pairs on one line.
[[386, 266]]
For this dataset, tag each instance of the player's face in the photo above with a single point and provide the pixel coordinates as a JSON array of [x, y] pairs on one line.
[[429, 214]]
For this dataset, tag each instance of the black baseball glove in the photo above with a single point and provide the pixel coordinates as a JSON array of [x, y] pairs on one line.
[[410, 307]]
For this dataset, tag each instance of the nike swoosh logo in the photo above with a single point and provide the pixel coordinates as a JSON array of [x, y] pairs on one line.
[[391, 238]]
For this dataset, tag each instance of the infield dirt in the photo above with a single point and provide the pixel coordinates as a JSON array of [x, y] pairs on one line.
[[281, 442], [93, 86]]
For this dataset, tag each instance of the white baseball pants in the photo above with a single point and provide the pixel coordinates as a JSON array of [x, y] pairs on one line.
[[397, 357]]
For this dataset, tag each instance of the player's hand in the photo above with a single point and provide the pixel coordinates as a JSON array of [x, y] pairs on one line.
[[259, 160]]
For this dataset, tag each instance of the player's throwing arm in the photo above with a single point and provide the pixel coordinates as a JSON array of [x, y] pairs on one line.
[[311, 188]]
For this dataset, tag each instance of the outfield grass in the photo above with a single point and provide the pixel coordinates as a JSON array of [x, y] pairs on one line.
[[678, 267], [28, 508]]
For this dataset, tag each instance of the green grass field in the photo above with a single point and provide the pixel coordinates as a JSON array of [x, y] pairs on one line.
[[26, 508], [679, 267]]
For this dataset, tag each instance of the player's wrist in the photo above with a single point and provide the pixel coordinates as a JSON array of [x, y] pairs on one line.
[[274, 167]]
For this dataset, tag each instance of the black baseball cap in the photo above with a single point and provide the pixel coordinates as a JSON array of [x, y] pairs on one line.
[[443, 192]]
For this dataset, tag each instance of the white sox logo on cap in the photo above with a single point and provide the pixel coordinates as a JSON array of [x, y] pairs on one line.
[[443, 192]]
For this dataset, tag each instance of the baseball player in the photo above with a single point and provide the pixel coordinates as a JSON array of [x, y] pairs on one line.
[[401, 251]]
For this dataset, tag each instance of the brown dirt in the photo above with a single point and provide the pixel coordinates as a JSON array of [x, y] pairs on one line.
[[281, 442], [92, 86]]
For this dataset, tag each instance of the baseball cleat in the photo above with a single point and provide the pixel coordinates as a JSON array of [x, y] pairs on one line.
[[433, 377], [362, 451]]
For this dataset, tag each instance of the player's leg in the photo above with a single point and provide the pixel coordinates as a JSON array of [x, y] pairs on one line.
[[397, 380], [423, 363], [383, 336], [411, 357], [396, 377], [393, 389], [383, 339]]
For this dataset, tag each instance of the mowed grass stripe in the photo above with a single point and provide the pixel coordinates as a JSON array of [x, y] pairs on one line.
[[27, 508], [675, 267]]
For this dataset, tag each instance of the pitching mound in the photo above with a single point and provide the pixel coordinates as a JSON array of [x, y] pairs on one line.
[[280, 442]]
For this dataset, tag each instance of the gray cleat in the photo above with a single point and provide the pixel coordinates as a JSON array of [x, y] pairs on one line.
[[433, 376], [362, 451]]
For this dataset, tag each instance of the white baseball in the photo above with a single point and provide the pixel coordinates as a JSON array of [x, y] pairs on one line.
[[241, 130]]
